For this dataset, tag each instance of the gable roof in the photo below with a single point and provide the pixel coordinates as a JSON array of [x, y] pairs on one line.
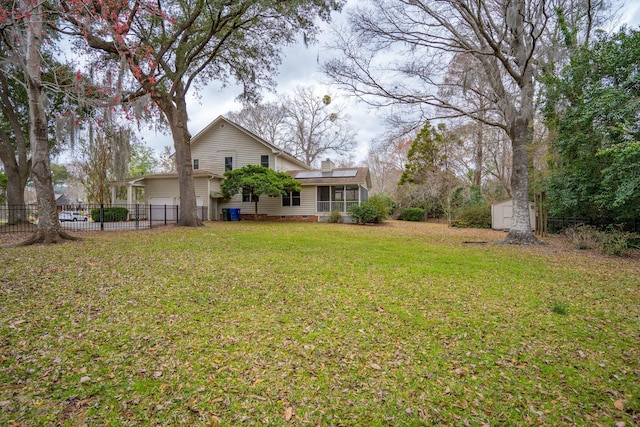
[[274, 149], [335, 176]]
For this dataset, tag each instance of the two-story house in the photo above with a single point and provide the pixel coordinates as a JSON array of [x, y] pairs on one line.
[[224, 145]]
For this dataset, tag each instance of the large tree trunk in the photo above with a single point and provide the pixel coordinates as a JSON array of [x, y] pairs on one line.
[[16, 182], [520, 133], [17, 174], [176, 113], [49, 230], [519, 120], [520, 232], [13, 154]]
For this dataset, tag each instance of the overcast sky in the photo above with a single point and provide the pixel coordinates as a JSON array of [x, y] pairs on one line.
[[301, 66]]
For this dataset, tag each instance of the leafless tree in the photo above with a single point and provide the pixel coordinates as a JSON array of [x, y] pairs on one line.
[[502, 37], [316, 126], [266, 120], [102, 155], [307, 124], [385, 160]]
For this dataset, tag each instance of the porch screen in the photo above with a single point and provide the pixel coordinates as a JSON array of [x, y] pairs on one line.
[[323, 194]]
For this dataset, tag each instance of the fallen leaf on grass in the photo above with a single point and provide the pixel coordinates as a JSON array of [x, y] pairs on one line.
[[375, 366], [288, 413], [619, 404]]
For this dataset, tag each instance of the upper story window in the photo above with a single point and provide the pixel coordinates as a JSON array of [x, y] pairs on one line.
[[196, 164], [264, 161], [228, 163]]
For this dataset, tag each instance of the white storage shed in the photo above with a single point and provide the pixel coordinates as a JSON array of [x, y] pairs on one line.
[[502, 215]]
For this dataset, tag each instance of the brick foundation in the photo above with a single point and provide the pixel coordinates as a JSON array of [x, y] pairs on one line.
[[287, 218]]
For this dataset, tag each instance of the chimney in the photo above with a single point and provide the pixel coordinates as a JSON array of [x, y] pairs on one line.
[[327, 166]]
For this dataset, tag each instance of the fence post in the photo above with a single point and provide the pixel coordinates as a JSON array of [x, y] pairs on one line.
[[165, 214], [177, 213], [101, 217], [150, 216], [137, 216]]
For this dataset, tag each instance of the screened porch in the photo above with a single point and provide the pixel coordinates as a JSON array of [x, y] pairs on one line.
[[340, 197]]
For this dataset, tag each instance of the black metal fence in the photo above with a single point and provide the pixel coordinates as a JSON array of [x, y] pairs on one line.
[[88, 217]]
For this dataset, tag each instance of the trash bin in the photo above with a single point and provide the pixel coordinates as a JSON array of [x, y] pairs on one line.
[[235, 214], [226, 215]]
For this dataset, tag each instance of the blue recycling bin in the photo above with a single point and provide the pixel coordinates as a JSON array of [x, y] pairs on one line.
[[235, 214]]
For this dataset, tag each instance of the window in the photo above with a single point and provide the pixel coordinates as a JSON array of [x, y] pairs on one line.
[[196, 164], [264, 161], [291, 199], [228, 163], [247, 197]]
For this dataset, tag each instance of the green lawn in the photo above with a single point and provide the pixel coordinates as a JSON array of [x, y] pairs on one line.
[[321, 324]]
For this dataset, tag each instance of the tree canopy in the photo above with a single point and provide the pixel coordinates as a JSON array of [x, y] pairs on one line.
[[255, 181], [594, 108]]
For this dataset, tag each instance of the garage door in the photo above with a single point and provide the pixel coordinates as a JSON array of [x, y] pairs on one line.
[[163, 208]]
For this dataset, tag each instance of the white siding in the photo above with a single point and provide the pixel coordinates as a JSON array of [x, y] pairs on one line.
[[285, 165], [224, 140], [161, 188], [201, 185], [168, 188], [272, 206], [307, 204]]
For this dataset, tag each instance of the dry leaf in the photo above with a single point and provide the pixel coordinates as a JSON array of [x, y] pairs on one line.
[[288, 413], [375, 366], [619, 404]]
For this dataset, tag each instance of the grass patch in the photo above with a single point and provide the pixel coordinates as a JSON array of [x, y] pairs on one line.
[[560, 308], [319, 324]]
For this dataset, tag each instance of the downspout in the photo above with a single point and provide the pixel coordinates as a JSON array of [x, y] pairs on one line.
[[275, 159]]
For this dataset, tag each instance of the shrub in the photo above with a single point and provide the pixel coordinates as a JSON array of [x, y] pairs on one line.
[[335, 216], [413, 214], [111, 214], [583, 236], [365, 213], [473, 216], [609, 242], [616, 242], [383, 205], [385, 200]]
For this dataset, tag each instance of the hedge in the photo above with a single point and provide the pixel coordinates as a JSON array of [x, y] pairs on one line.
[[112, 214]]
